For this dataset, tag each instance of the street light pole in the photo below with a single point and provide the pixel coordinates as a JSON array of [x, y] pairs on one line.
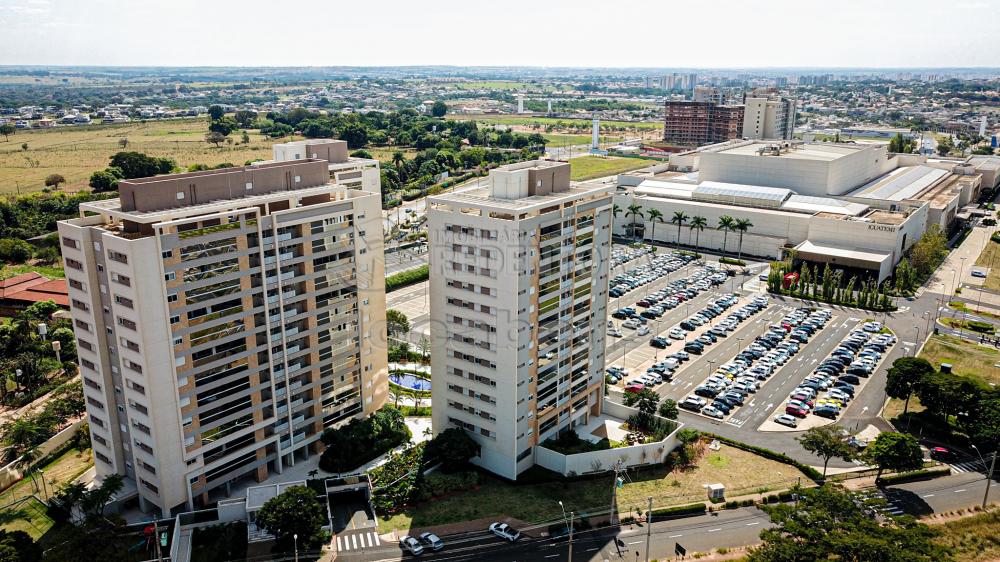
[[295, 537], [989, 480], [649, 525], [570, 555]]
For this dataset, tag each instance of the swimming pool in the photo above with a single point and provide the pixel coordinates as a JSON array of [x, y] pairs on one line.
[[410, 381]]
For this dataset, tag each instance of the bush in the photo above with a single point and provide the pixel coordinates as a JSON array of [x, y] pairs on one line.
[[361, 441], [979, 326], [408, 277], [678, 511], [392, 203], [411, 194], [923, 474], [732, 261], [13, 250]]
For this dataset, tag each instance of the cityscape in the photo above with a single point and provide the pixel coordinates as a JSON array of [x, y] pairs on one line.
[[396, 301]]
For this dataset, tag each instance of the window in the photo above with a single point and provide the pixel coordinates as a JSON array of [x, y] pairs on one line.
[[170, 276], [172, 297], [167, 254], [180, 195]]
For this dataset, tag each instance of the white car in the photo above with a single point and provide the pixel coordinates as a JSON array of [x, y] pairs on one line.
[[872, 326], [676, 334], [505, 531], [631, 324], [787, 419], [411, 545], [644, 330], [615, 333]]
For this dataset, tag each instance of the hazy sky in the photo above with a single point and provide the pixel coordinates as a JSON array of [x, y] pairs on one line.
[[654, 33]]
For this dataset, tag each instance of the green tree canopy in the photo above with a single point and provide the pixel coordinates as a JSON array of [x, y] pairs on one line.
[[904, 377], [893, 451], [827, 442], [439, 109], [296, 511], [397, 323], [454, 448], [138, 165]]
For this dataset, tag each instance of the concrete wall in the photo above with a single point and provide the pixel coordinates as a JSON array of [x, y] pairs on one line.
[[601, 461], [184, 190], [10, 473]]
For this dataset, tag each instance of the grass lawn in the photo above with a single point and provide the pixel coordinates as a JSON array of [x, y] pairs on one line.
[[740, 471], [962, 307], [29, 517], [51, 271], [988, 258], [590, 167], [973, 539], [967, 358], [77, 152]]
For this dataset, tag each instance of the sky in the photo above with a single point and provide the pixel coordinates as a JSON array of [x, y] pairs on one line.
[[580, 33]]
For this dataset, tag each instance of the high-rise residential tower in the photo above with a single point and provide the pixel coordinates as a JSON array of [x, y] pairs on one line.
[[769, 118], [518, 297], [224, 318]]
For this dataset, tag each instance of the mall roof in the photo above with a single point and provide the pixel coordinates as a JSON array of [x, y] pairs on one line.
[[740, 194], [823, 205], [902, 183], [801, 151], [808, 248]]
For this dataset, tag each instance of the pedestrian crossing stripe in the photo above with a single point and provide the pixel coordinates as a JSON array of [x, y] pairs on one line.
[[356, 541], [969, 466]]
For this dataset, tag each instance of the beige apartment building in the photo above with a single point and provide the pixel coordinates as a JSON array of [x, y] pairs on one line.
[[769, 118], [518, 300], [224, 318]]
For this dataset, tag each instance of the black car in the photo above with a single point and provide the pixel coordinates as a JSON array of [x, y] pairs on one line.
[[687, 326], [722, 406], [844, 387], [620, 314], [695, 348], [850, 379], [705, 392], [659, 342], [824, 412]]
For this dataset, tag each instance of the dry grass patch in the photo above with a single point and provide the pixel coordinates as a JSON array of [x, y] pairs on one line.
[[973, 539], [967, 358]]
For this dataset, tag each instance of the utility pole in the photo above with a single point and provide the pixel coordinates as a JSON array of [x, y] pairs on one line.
[[649, 525], [989, 480], [570, 557], [156, 538], [614, 491]]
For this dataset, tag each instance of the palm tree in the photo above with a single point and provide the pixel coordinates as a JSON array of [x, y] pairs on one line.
[[742, 226], [726, 223], [397, 160], [698, 223], [654, 216], [679, 219], [634, 210]]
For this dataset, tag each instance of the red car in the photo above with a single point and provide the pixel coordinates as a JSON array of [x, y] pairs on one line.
[[634, 388], [796, 411], [942, 454]]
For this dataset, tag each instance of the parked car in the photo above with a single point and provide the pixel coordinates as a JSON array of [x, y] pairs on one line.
[[712, 412], [787, 420], [942, 454], [644, 330], [505, 531], [431, 541], [979, 273], [659, 342], [411, 545]]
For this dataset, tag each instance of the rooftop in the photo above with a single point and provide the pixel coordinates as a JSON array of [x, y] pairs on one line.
[[902, 183], [822, 152], [32, 287], [481, 198]]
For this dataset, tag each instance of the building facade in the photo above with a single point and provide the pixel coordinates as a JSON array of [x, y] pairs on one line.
[[689, 123], [223, 320], [519, 291], [769, 118]]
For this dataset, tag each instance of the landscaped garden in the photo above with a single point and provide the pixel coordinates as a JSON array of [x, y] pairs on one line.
[[29, 514]]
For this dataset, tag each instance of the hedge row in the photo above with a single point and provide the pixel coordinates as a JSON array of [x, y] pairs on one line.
[[732, 261], [923, 474], [809, 471], [679, 511], [408, 277]]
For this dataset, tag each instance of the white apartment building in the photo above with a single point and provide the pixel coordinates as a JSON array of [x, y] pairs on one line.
[[224, 319], [768, 118], [346, 170], [519, 290]]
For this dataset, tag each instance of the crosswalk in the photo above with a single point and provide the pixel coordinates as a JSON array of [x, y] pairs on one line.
[[973, 465], [357, 540], [880, 502]]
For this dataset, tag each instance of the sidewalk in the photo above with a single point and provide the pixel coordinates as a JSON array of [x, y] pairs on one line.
[[946, 276]]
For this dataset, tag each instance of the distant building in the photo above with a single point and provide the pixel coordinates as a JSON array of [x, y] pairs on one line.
[[21, 291], [770, 118], [690, 123]]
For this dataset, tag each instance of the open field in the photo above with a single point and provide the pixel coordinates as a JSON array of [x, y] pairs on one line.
[[590, 167], [77, 152], [973, 539], [29, 516], [8, 270], [967, 358], [988, 259], [741, 472]]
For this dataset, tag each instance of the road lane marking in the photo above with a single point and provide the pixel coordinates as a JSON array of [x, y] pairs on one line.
[[636, 542], [959, 491], [928, 496], [551, 555], [754, 523], [714, 530], [675, 536]]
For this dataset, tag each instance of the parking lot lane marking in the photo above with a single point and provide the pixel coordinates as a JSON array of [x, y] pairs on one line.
[[714, 530], [675, 536], [928, 496], [753, 523], [636, 542], [959, 491]]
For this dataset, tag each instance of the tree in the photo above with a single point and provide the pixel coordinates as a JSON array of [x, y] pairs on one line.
[[439, 109], [245, 138], [216, 138], [397, 323], [18, 546], [633, 211], [7, 130], [224, 125], [698, 224], [679, 218], [103, 180], [123, 143], [904, 377], [296, 511], [53, 180], [726, 223], [216, 112], [356, 135], [95, 501], [827, 442], [138, 165], [893, 451], [654, 216], [827, 523], [741, 226], [245, 118], [668, 409], [453, 448], [13, 250]]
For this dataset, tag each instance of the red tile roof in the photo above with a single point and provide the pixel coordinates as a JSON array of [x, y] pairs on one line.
[[32, 287]]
